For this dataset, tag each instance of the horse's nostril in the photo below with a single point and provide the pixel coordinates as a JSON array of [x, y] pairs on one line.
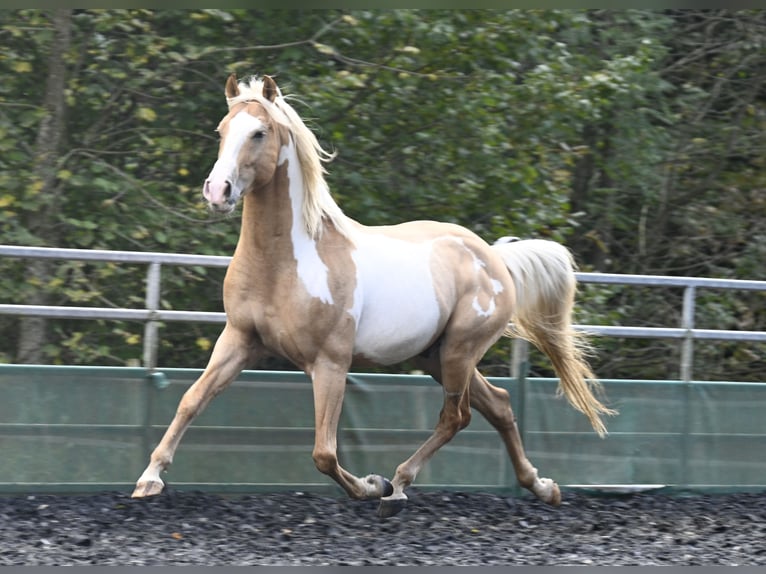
[[218, 191]]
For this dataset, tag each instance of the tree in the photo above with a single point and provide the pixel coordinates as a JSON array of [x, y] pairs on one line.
[[42, 196], [633, 136], [677, 192]]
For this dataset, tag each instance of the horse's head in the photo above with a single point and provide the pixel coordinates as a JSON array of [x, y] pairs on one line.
[[250, 142]]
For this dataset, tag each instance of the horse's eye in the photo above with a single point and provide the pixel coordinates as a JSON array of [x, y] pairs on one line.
[[259, 135]]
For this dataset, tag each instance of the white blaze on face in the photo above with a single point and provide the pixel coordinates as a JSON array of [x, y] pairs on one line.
[[225, 169], [395, 305], [312, 271]]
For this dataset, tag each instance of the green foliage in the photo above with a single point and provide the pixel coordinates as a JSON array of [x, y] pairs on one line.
[[633, 136]]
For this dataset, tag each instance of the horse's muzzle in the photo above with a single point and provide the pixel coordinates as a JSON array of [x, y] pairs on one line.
[[219, 195]]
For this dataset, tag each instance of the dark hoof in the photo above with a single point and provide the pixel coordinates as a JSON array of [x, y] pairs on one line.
[[388, 488], [391, 506]]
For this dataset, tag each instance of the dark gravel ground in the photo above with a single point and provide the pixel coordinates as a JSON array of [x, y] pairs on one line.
[[436, 528]]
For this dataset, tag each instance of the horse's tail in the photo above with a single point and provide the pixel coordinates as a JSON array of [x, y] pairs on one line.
[[543, 275]]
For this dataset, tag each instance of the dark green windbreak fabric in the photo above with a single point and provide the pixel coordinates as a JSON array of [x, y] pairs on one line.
[[92, 428]]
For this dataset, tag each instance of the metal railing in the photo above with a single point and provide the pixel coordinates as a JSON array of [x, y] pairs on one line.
[[687, 332], [152, 314]]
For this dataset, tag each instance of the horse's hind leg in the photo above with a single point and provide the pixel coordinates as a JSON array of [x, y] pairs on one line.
[[494, 403], [455, 415], [229, 357]]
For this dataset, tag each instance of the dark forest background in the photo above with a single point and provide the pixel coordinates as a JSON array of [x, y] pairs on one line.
[[634, 137]]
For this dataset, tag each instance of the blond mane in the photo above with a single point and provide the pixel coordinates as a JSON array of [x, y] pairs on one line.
[[318, 204]]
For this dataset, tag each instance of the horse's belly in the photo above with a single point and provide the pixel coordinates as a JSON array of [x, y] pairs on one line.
[[396, 305], [396, 335]]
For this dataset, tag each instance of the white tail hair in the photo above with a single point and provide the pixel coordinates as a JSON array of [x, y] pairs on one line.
[[543, 275]]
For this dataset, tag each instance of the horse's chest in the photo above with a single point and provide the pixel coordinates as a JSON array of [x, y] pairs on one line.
[[261, 301], [282, 308]]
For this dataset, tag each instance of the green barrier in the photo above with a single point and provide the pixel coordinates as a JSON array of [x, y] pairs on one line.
[[87, 429]]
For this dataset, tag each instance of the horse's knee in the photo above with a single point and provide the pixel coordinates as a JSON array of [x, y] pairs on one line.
[[325, 461]]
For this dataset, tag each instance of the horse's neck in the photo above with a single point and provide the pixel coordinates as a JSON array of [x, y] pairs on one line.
[[273, 223], [266, 220], [272, 216]]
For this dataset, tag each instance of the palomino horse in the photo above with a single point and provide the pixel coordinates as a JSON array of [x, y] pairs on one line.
[[316, 287]]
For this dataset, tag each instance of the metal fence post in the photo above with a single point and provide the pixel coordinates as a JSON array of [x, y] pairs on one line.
[[687, 323], [151, 327], [519, 370], [151, 337], [687, 369]]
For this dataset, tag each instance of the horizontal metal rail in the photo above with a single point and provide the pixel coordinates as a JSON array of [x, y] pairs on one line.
[[151, 315], [115, 313], [121, 314], [224, 260], [667, 281], [672, 333], [113, 256]]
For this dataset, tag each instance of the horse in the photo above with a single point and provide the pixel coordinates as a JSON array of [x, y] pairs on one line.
[[310, 284]]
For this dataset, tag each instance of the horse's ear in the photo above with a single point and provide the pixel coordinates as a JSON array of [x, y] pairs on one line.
[[270, 89], [232, 88]]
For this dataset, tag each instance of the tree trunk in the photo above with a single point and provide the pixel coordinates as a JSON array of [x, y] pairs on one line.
[[42, 222]]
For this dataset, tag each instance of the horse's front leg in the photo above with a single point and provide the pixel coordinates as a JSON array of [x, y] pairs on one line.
[[230, 355], [329, 384]]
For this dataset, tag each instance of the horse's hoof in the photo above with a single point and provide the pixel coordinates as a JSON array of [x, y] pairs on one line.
[[546, 490], [555, 498], [388, 488], [381, 486], [391, 506], [552, 494], [147, 488]]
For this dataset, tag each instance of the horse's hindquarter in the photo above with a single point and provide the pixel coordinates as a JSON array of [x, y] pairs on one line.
[[415, 279]]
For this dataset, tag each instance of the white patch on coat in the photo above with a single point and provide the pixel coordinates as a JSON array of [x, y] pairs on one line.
[[483, 312], [497, 287], [395, 305], [312, 271]]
